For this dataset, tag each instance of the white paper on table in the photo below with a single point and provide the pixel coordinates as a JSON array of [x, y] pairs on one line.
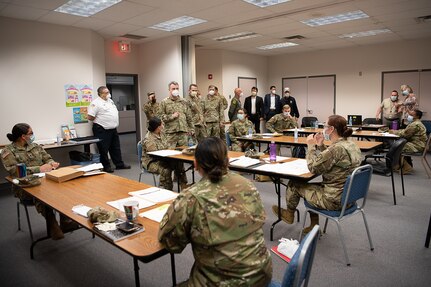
[[155, 194], [118, 204], [39, 174], [388, 135], [91, 167], [292, 130], [156, 214], [295, 167], [277, 159], [81, 209], [244, 161], [165, 152]]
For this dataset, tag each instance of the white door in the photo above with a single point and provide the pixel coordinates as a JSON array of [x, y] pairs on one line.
[[321, 97]]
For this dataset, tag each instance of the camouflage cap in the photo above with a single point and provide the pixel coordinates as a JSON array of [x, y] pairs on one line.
[[28, 181], [98, 214]]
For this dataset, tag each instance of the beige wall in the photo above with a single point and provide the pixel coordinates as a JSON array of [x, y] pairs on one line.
[[36, 61], [118, 62], [355, 94], [209, 62]]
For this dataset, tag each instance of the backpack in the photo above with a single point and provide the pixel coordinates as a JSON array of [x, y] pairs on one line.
[[298, 152]]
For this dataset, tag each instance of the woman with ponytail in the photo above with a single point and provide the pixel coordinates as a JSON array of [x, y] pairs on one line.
[[222, 217]]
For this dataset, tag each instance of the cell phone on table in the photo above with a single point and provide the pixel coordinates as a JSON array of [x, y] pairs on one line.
[[129, 227]]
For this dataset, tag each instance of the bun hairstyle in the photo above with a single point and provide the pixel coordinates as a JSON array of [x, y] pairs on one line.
[[340, 125], [17, 131], [154, 123], [211, 157]]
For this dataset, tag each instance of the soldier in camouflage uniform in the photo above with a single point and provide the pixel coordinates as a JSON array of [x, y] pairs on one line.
[[213, 112], [36, 159], [155, 140], [334, 163], [196, 109], [222, 217], [416, 135], [151, 107], [239, 128], [282, 121], [235, 104], [224, 104], [175, 113]]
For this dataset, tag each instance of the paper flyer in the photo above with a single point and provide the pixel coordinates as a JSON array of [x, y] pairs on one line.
[[78, 95], [80, 115]]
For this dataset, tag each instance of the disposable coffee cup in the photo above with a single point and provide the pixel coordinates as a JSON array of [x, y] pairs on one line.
[[131, 209]]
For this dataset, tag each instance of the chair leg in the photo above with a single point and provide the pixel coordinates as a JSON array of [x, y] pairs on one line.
[[428, 237], [29, 224], [343, 244], [402, 174], [18, 216], [393, 186], [326, 224], [154, 179], [140, 175], [303, 223], [426, 164], [368, 231]]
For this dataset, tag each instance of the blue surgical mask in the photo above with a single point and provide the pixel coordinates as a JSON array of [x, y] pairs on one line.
[[240, 116], [410, 118], [326, 135], [31, 139], [394, 98], [405, 93]]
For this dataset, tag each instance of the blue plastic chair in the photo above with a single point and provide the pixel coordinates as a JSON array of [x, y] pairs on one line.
[[228, 140], [299, 268], [143, 170], [355, 188]]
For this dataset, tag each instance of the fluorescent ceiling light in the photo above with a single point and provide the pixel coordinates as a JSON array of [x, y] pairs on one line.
[[277, 46], [354, 15], [265, 3], [85, 8], [365, 33], [178, 23], [237, 36]]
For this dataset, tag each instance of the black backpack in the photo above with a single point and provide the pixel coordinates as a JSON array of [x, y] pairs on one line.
[[298, 152]]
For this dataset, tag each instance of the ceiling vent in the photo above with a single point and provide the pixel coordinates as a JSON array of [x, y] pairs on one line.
[[423, 19], [295, 37], [134, 37]]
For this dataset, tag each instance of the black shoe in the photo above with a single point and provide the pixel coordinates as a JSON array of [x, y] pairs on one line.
[[124, 166], [108, 169]]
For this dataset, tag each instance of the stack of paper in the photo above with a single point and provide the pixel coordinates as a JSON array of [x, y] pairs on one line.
[[119, 204], [155, 214], [295, 167], [155, 194], [244, 161], [81, 209], [165, 152]]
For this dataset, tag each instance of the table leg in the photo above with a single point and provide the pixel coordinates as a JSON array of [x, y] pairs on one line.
[[33, 243], [174, 275], [136, 269], [277, 190], [427, 240]]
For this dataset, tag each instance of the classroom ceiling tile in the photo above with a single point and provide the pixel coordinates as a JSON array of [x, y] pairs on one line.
[[119, 29], [59, 18], [123, 11], [93, 23], [40, 4], [21, 12]]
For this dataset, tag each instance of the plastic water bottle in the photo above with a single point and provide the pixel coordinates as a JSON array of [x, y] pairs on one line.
[[250, 133], [190, 142], [58, 139], [295, 134], [350, 121], [272, 152], [316, 124]]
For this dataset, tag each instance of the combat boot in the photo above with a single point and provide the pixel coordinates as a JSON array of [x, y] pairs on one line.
[[67, 224], [407, 168], [287, 215], [314, 218], [54, 230]]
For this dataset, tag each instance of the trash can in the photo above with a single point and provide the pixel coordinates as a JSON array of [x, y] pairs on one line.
[[83, 158]]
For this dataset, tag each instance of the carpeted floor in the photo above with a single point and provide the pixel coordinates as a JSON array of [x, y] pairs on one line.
[[398, 233]]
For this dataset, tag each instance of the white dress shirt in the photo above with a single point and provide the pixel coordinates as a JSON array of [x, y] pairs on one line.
[[253, 105], [105, 113]]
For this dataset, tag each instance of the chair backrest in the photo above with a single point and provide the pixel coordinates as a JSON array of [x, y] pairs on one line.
[[427, 125], [228, 141], [427, 146], [139, 148], [308, 121], [356, 186], [395, 151], [371, 121], [299, 268]]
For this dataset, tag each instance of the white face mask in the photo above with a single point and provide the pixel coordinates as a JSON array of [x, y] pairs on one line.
[[240, 95], [240, 116], [326, 135], [286, 114], [175, 93], [193, 93], [394, 98], [286, 94], [273, 92], [108, 96], [211, 92], [253, 93]]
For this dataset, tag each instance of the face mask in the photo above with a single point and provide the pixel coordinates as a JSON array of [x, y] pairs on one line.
[[410, 118], [405, 93], [253, 93], [31, 139], [287, 94], [211, 92], [241, 94], [175, 93], [393, 98], [273, 91], [240, 116], [108, 96], [326, 135], [193, 93], [286, 114]]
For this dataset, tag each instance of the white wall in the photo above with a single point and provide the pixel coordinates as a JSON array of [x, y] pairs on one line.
[[355, 94], [159, 63], [117, 62], [36, 61]]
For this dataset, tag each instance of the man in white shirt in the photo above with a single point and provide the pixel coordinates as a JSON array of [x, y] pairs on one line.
[[104, 114]]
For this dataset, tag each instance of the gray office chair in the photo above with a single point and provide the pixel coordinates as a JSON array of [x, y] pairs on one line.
[[355, 188], [26, 203], [143, 170]]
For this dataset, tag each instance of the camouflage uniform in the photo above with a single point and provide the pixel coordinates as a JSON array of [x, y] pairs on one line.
[[196, 109], [416, 136], [213, 114], [278, 123], [223, 222], [334, 163], [34, 156], [150, 110], [176, 129], [224, 104], [235, 105], [153, 142], [238, 129]]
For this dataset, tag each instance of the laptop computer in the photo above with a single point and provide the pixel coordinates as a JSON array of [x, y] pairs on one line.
[[354, 120]]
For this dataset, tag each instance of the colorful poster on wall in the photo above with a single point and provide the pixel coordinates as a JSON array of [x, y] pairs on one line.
[[72, 96], [80, 115], [86, 95]]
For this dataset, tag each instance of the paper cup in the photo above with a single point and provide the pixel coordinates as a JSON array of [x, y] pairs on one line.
[[131, 209]]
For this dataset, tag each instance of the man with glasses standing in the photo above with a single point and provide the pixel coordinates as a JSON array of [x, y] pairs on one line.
[[104, 115]]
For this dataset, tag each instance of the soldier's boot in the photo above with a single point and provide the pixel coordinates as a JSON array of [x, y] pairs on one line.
[[67, 224], [54, 229], [407, 168], [314, 221], [287, 215]]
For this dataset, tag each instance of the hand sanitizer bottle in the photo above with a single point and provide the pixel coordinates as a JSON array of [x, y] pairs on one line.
[[58, 139]]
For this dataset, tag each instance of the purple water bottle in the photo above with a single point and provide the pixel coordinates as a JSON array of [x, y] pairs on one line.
[[395, 125], [272, 152]]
